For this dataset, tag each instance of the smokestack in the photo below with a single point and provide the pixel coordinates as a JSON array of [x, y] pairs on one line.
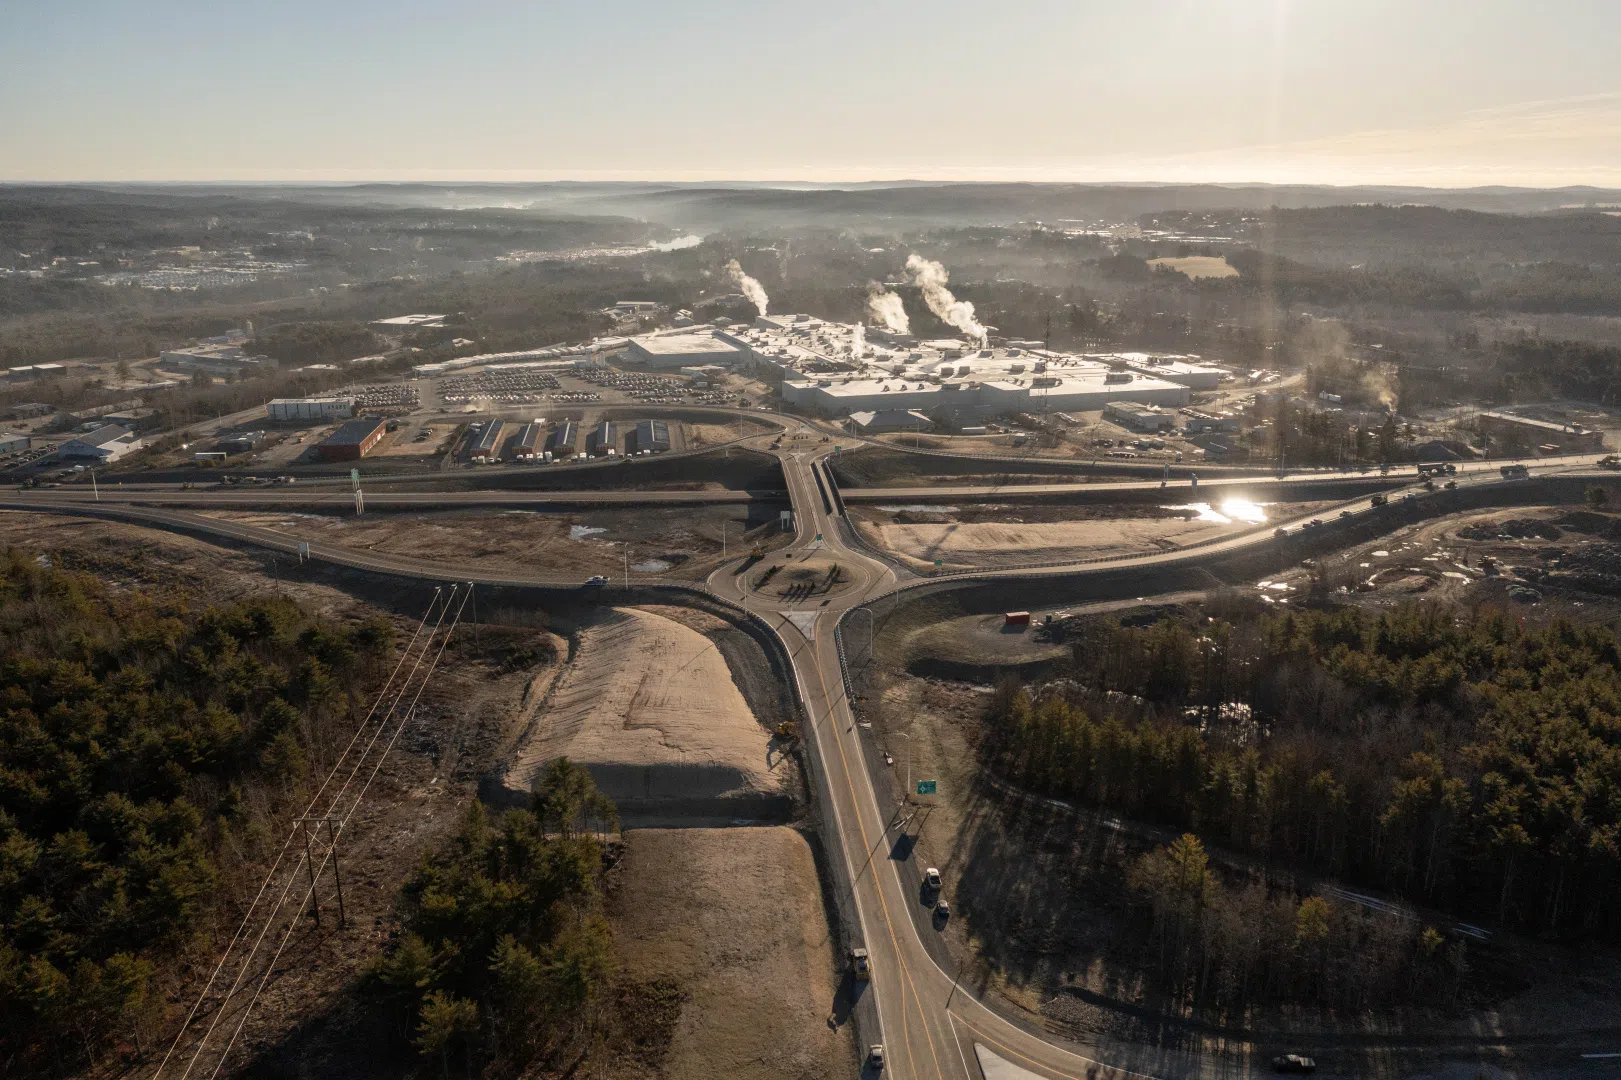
[[886, 307], [930, 277], [748, 286]]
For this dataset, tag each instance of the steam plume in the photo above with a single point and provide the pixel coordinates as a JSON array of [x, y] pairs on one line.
[[886, 308], [930, 277], [858, 340], [748, 286]]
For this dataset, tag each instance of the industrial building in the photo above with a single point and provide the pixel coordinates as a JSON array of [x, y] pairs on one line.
[[487, 441], [652, 435], [104, 444], [1172, 367], [29, 372], [686, 348], [221, 360], [833, 368], [241, 442], [10, 442], [604, 439], [1130, 414], [529, 443], [30, 410], [291, 410], [563, 438], [1203, 423], [353, 440], [1524, 431], [887, 420]]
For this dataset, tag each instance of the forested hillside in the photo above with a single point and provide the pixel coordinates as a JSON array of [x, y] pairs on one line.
[[142, 737], [1463, 759]]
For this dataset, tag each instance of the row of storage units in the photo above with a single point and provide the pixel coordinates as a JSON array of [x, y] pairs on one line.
[[497, 440]]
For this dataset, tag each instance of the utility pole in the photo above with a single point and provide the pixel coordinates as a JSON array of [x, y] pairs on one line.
[[93, 486], [627, 564], [311, 825], [906, 794]]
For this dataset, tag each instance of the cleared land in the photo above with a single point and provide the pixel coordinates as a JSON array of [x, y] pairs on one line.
[[683, 543], [1198, 266], [732, 921], [649, 705], [995, 535]]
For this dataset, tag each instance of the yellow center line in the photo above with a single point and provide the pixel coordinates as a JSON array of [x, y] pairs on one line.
[[889, 925]]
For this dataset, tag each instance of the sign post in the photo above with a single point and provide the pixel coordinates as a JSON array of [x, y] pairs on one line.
[[927, 787]]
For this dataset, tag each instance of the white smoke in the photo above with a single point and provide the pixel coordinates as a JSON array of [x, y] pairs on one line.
[[858, 340], [930, 277], [886, 308], [748, 286]]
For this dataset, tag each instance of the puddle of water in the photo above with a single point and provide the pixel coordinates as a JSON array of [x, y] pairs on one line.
[[1231, 510], [580, 532], [918, 508], [651, 566]]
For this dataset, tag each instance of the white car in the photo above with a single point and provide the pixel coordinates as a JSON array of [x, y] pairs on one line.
[[931, 878]]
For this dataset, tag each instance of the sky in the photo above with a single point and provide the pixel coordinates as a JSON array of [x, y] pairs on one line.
[[1427, 92]]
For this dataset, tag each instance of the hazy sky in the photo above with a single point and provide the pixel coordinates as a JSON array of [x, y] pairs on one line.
[[1423, 91]]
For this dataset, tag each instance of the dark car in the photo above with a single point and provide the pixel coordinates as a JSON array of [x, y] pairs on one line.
[[1293, 1063]]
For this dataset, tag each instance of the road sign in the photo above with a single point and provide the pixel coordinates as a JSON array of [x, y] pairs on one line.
[[354, 477], [837, 448], [926, 787], [939, 562], [818, 538]]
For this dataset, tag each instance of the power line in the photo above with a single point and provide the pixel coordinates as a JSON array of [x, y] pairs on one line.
[[270, 876], [343, 822]]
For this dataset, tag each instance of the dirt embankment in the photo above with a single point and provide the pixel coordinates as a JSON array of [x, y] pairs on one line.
[[648, 704], [730, 924]]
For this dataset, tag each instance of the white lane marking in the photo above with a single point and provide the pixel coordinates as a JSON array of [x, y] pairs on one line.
[[997, 1068]]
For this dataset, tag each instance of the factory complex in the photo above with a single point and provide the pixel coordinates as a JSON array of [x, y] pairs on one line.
[[840, 369]]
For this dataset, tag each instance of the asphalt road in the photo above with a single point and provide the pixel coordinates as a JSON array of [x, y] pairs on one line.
[[929, 1024]]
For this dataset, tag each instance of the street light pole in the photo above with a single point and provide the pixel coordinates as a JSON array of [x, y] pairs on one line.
[[627, 564], [906, 795]]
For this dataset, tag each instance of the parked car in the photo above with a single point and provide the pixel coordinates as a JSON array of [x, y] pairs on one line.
[[597, 579], [931, 878], [875, 1057], [942, 910], [861, 964]]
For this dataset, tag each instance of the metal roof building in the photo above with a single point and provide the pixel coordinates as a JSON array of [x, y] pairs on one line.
[[603, 438], [529, 441], [352, 440], [487, 444], [563, 437], [651, 435]]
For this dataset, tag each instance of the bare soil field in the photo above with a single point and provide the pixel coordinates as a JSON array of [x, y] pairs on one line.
[[731, 923], [995, 535], [683, 543], [1198, 266], [648, 704]]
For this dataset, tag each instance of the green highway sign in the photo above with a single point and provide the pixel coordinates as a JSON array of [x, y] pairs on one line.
[[926, 787], [818, 536]]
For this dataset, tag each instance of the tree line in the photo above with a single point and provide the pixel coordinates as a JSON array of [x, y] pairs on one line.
[[1465, 759], [506, 956], [145, 744]]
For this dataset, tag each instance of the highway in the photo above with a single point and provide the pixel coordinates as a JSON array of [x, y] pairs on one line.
[[930, 1026]]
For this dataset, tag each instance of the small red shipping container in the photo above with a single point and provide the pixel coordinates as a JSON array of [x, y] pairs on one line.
[[1016, 618]]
